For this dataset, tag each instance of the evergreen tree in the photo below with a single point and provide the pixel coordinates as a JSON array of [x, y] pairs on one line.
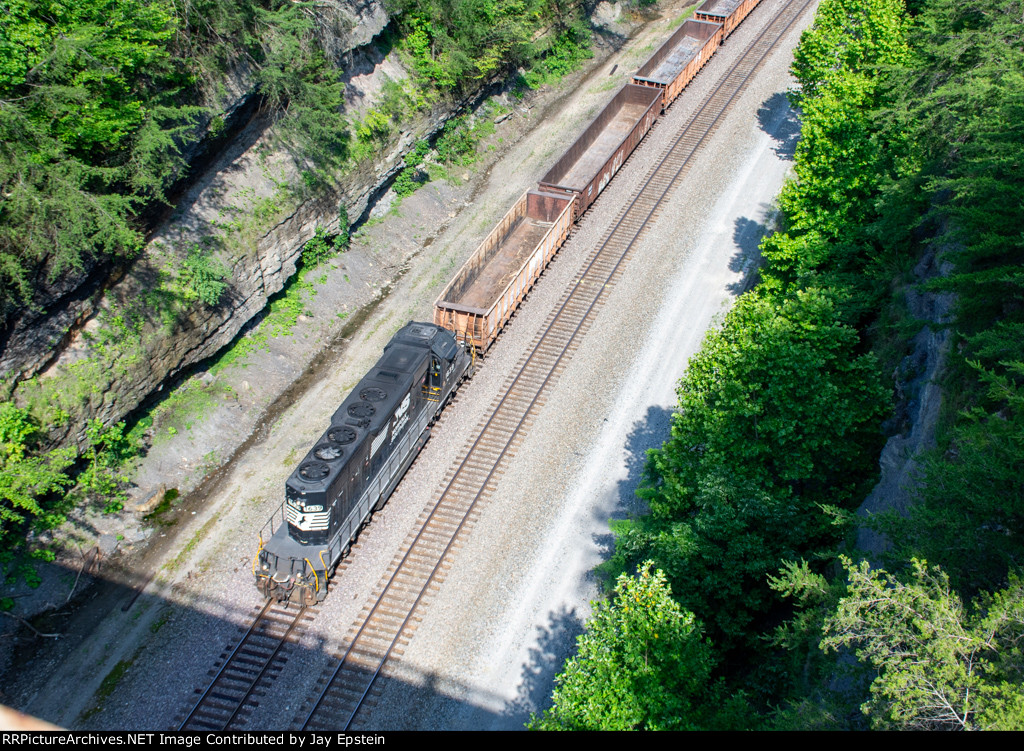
[[937, 667]]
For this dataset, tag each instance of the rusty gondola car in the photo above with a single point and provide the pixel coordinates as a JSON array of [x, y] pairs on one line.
[[729, 13], [486, 291], [679, 59], [586, 167]]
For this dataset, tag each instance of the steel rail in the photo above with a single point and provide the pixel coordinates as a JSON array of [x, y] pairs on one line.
[[579, 321], [230, 665]]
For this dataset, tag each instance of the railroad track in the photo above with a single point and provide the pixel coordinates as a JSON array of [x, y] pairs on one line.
[[387, 623], [245, 671]]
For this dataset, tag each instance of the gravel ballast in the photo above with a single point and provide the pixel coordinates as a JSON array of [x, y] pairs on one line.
[[488, 646]]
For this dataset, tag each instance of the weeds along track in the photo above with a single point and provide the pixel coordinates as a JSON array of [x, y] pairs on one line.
[[348, 689]]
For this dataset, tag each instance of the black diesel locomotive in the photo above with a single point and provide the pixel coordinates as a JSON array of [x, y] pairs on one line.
[[359, 460], [378, 430]]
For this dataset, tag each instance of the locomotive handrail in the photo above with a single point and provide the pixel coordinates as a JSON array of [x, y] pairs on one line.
[[316, 579], [256, 557]]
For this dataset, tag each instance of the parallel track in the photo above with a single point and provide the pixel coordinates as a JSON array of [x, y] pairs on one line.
[[386, 625]]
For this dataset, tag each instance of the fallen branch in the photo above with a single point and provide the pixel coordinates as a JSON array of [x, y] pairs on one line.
[[26, 623], [85, 562]]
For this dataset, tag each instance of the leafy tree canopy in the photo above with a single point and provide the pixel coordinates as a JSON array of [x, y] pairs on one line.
[[849, 35], [639, 666], [454, 43], [89, 122], [28, 481], [778, 395]]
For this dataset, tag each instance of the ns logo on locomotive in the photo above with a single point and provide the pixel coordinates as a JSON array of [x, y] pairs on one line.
[[359, 460]]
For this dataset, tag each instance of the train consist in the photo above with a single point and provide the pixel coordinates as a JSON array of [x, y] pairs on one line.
[[384, 422], [485, 292]]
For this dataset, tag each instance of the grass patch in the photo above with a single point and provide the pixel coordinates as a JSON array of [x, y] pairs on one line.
[[160, 622], [156, 515], [185, 405], [107, 687], [438, 172], [282, 315], [683, 16], [179, 559], [613, 82], [284, 308]]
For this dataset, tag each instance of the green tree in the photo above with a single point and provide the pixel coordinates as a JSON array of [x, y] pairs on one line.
[[937, 667], [85, 67], [454, 44], [962, 101], [31, 485], [844, 160], [201, 277], [91, 119], [104, 475], [298, 80], [640, 664], [778, 395], [776, 433], [812, 699], [849, 35], [970, 510]]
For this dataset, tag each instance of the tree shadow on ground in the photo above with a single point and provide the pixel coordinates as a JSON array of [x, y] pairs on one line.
[[746, 236], [779, 120], [555, 642]]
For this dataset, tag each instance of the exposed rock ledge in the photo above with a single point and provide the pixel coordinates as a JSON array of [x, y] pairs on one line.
[[220, 202], [918, 405]]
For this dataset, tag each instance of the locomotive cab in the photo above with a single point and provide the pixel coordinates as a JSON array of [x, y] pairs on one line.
[[448, 364]]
